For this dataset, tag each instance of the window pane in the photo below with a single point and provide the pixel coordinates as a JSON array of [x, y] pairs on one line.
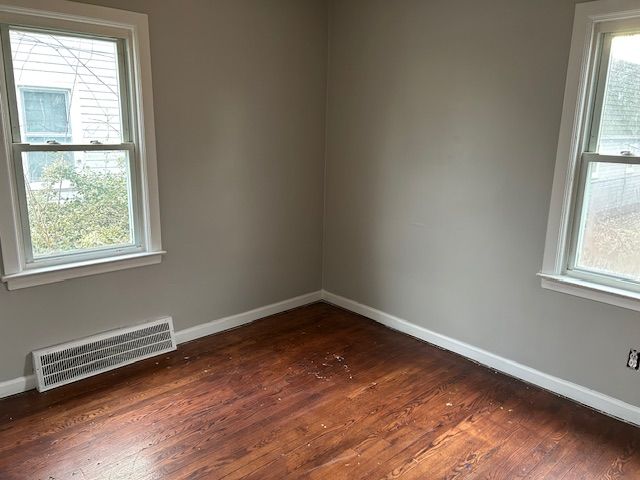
[[609, 234], [67, 87], [620, 124], [80, 201], [45, 111]]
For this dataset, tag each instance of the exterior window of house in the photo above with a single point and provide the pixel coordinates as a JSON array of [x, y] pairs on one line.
[[83, 182], [593, 242], [46, 119]]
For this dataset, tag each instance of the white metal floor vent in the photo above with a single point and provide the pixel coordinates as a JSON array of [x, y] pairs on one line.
[[68, 362]]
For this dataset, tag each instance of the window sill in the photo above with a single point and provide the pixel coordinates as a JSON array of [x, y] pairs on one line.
[[592, 291], [59, 273]]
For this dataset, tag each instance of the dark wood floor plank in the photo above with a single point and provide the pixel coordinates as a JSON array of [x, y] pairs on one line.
[[316, 393]]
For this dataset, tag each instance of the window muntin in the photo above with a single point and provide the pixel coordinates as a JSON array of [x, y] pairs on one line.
[[605, 244], [75, 163]]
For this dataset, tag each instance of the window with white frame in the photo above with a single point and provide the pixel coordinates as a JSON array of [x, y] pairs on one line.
[[593, 238], [80, 193]]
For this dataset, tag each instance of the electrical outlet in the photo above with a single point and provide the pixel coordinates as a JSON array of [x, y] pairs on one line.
[[634, 359]]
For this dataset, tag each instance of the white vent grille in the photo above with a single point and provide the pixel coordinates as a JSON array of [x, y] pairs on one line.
[[68, 362]]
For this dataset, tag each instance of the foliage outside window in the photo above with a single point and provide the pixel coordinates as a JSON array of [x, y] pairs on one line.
[[77, 209]]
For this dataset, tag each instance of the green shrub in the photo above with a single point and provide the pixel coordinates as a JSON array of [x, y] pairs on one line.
[[78, 209]]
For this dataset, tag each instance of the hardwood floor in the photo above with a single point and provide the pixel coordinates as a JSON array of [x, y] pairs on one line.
[[315, 393]]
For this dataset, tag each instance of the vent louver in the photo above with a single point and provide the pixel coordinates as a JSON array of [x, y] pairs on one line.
[[72, 361]]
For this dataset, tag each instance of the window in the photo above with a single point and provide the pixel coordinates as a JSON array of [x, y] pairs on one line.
[[593, 238], [607, 231], [81, 189], [45, 111], [45, 114]]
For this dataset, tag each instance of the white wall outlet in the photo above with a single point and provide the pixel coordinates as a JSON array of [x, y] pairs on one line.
[[634, 359]]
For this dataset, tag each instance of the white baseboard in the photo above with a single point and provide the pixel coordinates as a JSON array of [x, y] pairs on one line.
[[591, 398], [233, 321], [22, 384], [17, 385]]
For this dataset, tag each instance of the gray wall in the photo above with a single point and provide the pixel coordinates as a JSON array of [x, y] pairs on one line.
[[240, 90], [442, 130]]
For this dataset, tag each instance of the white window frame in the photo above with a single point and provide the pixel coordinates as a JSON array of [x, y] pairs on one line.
[[132, 28], [591, 20]]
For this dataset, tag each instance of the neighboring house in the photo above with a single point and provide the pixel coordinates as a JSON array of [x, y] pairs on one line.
[[67, 92]]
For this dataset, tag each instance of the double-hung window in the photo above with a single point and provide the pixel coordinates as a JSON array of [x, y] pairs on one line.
[[79, 193], [593, 238]]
